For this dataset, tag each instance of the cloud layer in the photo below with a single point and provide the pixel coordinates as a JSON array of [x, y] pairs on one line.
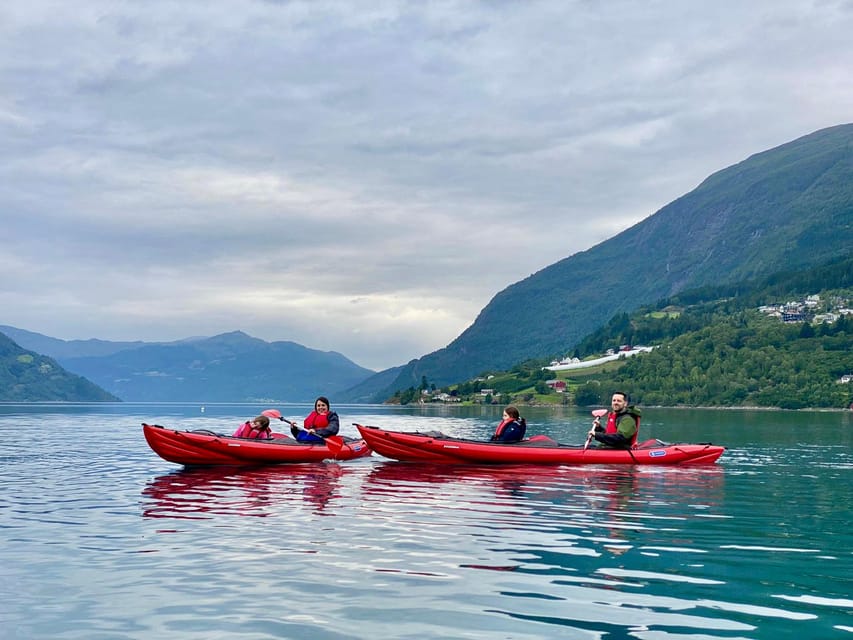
[[364, 177]]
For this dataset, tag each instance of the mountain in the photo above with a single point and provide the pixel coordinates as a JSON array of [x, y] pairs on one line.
[[722, 346], [232, 367], [57, 348], [373, 388], [26, 376], [788, 207]]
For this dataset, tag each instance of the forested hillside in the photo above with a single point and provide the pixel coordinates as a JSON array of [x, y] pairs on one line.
[[718, 349], [26, 376], [789, 207], [742, 360], [714, 346]]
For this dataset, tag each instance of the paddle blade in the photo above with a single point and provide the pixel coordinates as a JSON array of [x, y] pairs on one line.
[[335, 444], [599, 413]]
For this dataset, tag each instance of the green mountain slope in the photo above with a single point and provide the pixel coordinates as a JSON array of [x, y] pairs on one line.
[[714, 346], [788, 207], [717, 349], [26, 376]]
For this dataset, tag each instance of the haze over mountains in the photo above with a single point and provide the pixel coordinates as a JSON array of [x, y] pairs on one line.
[[782, 209]]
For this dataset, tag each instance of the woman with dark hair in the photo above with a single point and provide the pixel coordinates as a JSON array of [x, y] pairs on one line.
[[320, 423], [512, 428]]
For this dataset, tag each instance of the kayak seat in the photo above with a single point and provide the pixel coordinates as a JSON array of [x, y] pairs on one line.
[[436, 434], [538, 442], [651, 444]]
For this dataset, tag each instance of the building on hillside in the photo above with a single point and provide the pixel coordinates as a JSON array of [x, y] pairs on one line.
[[557, 385], [825, 318]]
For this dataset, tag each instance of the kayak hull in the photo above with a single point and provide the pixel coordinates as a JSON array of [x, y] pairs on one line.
[[208, 448], [436, 447]]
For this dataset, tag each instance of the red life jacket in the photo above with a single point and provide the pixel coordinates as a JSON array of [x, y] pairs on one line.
[[611, 425], [317, 420], [246, 430], [501, 428]]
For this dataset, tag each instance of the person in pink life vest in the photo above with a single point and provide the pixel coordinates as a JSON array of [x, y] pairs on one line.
[[258, 429], [511, 428], [320, 423], [623, 424]]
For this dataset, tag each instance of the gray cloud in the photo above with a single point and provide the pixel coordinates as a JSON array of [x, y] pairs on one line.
[[364, 178]]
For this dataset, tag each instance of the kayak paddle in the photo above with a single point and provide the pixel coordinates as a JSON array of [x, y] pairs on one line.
[[335, 444], [598, 413]]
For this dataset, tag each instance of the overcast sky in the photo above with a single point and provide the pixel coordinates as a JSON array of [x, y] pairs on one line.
[[364, 177]]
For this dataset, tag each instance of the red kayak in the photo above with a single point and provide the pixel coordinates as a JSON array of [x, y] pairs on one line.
[[437, 447], [202, 447]]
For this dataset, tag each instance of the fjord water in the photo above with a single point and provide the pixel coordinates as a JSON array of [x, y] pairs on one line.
[[104, 540]]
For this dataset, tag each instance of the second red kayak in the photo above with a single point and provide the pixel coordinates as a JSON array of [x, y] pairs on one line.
[[437, 447]]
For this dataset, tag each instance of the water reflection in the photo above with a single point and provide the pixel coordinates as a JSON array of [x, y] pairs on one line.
[[578, 510], [201, 493], [597, 549], [609, 489]]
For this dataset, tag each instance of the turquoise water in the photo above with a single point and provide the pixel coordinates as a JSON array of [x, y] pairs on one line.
[[103, 539]]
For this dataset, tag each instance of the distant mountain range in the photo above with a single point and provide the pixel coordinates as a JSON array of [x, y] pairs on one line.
[[232, 367], [785, 208]]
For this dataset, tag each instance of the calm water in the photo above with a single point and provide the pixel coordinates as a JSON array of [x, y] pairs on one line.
[[104, 540]]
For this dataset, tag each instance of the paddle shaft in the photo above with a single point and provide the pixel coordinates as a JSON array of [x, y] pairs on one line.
[[598, 413]]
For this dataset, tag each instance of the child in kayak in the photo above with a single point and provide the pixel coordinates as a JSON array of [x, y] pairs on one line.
[[320, 423], [258, 429], [512, 428]]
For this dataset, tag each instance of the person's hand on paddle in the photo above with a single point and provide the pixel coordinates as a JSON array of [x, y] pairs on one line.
[[596, 426]]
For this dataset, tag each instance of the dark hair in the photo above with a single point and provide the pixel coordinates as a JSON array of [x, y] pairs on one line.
[[623, 394], [264, 422], [512, 412], [324, 400]]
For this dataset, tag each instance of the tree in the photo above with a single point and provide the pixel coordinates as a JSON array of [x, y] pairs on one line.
[[588, 394]]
